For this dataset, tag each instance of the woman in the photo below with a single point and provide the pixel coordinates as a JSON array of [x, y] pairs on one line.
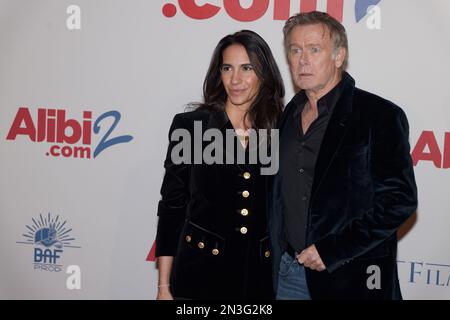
[[212, 240]]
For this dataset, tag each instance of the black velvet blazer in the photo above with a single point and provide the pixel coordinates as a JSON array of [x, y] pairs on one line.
[[213, 220], [363, 190]]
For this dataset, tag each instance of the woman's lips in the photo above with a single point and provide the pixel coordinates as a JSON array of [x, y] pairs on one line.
[[236, 92]]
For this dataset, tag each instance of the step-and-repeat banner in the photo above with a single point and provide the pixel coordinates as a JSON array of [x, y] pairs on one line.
[[87, 93]]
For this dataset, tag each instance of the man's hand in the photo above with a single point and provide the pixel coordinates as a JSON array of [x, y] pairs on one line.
[[310, 258]]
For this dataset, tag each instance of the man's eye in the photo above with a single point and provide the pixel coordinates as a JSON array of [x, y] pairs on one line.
[[315, 49], [295, 50]]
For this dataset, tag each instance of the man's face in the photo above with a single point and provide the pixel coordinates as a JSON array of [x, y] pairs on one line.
[[312, 60]]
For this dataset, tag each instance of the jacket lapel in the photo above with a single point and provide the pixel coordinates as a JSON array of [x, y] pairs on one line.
[[335, 133], [219, 120]]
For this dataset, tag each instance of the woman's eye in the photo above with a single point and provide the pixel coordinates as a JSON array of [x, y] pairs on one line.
[[247, 68]]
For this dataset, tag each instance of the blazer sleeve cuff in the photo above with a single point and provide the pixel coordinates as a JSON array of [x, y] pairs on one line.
[[329, 253], [168, 234]]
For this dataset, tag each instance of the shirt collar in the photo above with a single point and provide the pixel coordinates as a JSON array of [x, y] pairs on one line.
[[324, 105]]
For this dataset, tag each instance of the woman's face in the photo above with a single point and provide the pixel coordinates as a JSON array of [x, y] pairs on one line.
[[238, 77]]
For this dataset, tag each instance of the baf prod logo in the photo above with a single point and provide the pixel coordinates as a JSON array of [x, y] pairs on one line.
[[49, 236], [254, 10]]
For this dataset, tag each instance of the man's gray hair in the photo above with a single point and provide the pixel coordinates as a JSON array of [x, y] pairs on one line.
[[336, 29]]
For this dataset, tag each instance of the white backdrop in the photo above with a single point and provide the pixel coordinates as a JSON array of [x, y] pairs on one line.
[[100, 60]]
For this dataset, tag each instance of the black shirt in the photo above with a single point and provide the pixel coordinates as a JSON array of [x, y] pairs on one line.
[[298, 155]]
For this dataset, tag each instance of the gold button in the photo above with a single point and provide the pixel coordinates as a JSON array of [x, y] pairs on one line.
[[215, 252], [245, 194], [201, 245], [267, 254], [188, 238], [246, 175], [244, 212], [243, 230]]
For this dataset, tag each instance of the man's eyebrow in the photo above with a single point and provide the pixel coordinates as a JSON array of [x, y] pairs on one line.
[[308, 45]]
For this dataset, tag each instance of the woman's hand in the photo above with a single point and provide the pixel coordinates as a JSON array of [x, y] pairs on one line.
[[164, 294]]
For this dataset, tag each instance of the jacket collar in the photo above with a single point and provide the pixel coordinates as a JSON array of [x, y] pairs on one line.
[[218, 119]]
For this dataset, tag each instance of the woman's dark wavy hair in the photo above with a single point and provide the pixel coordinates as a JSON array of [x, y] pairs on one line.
[[268, 104]]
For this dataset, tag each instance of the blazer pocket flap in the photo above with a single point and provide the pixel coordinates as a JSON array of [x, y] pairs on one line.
[[353, 151], [264, 248], [204, 240]]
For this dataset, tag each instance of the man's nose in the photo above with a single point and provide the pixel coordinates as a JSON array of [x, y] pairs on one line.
[[304, 58]]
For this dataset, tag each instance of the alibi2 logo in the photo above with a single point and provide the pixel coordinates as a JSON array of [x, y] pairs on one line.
[[52, 127], [49, 236]]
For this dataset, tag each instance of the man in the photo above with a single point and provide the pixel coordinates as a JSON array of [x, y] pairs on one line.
[[346, 181]]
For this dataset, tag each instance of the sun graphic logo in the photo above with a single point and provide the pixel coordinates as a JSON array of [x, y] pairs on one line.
[[49, 235]]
